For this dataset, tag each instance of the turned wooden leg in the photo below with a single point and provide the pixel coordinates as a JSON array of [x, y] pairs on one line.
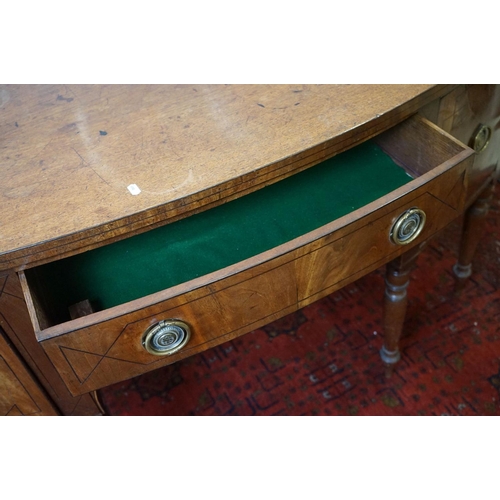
[[397, 281], [474, 220]]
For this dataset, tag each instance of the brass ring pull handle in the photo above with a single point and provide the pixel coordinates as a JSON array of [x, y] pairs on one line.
[[481, 138], [408, 226], [166, 337]]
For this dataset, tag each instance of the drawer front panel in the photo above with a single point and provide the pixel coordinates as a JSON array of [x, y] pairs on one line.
[[320, 273], [95, 356], [111, 351]]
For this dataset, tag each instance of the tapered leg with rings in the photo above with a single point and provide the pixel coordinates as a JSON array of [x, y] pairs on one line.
[[473, 226], [397, 281]]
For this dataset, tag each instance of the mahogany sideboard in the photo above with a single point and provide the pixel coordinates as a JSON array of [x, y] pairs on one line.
[[144, 224]]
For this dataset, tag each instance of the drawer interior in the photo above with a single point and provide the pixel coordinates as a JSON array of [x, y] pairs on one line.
[[215, 239]]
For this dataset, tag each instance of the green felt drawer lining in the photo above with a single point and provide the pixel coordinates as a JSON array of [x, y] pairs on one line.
[[214, 239]]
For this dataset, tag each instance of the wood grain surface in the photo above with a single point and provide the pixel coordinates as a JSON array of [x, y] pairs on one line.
[[69, 153], [20, 394]]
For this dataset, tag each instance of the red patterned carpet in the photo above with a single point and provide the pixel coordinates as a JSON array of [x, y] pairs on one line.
[[323, 360]]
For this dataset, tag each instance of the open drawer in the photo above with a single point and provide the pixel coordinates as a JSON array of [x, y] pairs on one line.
[[183, 288]]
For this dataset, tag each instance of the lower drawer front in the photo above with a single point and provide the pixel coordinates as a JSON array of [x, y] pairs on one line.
[[92, 357]]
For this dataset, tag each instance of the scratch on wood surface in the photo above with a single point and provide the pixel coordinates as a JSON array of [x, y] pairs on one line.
[[214, 295], [37, 154], [93, 169], [70, 90], [80, 156], [102, 179], [249, 294], [132, 137]]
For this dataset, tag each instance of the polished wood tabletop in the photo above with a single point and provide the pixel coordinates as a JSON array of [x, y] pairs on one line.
[[84, 165]]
